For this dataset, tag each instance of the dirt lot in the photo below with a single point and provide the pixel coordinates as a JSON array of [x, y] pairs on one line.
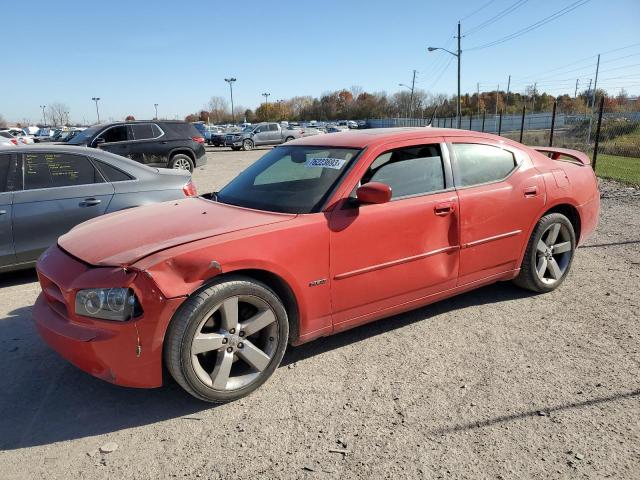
[[496, 383]]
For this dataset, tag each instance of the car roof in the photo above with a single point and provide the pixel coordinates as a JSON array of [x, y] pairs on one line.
[[376, 136]]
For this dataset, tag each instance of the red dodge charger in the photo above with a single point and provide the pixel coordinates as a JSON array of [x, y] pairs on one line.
[[320, 235]]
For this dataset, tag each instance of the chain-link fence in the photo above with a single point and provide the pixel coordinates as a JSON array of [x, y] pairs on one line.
[[609, 132]]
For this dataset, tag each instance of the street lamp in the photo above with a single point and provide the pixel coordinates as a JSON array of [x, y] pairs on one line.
[[156, 107], [457, 55], [266, 98], [230, 82], [96, 99], [44, 117]]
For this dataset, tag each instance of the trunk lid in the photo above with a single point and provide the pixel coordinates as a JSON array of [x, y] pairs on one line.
[[124, 237]]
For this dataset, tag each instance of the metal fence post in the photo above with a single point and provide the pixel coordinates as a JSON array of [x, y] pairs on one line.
[[553, 124], [470, 120], [484, 112], [595, 147], [524, 110], [451, 126], [500, 123]]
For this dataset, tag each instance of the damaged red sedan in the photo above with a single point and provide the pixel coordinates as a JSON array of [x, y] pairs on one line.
[[320, 235]]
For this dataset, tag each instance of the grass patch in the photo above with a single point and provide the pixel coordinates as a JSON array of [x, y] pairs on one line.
[[615, 167]]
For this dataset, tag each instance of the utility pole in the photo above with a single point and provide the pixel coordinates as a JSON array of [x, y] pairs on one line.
[[230, 82], [496, 116], [413, 86], [97, 99], [44, 117], [458, 55], [156, 106], [593, 99], [533, 97], [575, 94], [478, 97], [506, 102]]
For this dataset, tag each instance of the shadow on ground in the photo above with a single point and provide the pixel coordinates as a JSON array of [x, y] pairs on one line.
[[47, 400]]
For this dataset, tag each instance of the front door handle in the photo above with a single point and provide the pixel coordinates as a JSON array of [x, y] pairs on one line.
[[89, 202], [531, 191], [444, 209]]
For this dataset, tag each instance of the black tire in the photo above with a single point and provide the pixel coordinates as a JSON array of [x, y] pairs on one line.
[[247, 145], [180, 161], [187, 322], [288, 139], [529, 278]]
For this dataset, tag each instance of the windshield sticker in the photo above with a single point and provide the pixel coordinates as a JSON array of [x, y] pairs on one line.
[[325, 162]]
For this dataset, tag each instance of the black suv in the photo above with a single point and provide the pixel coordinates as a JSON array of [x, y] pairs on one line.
[[171, 144]]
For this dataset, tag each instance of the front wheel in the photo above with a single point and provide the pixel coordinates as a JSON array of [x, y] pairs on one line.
[[181, 161], [549, 254], [247, 145], [288, 139], [227, 340]]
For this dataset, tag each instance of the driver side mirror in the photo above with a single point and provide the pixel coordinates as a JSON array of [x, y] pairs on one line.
[[99, 141], [373, 192]]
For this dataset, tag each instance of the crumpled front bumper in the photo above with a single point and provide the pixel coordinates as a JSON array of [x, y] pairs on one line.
[[124, 353]]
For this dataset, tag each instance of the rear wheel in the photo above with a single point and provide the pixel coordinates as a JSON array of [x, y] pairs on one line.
[[288, 139], [180, 161], [227, 340], [549, 254]]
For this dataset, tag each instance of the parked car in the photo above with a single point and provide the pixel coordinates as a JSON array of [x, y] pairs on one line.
[[217, 138], [310, 240], [7, 140], [49, 189], [171, 144], [19, 134], [45, 135], [348, 124], [260, 134], [66, 135]]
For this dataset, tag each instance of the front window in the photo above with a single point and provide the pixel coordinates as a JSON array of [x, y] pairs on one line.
[[290, 179]]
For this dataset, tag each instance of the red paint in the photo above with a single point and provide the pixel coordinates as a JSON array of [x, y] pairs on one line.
[[375, 259]]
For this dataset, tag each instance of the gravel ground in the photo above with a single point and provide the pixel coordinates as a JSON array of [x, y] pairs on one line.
[[496, 383]]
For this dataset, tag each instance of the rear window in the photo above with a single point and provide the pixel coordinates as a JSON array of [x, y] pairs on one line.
[[180, 130], [143, 131], [50, 170]]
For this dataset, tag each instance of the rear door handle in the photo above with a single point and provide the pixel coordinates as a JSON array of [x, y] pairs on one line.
[[444, 209], [89, 202], [531, 191]]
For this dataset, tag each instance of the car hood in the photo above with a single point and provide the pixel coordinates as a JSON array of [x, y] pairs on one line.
[[124, 237]]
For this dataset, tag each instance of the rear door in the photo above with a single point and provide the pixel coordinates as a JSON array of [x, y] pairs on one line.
[[9, 182], [275, 136], [500, 194], [116, 140], [146, 145], [60, 191]]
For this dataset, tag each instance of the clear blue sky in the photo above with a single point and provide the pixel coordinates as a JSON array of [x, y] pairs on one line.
[[133, 54]]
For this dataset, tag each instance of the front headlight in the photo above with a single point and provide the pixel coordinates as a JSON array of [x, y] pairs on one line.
[[108, 303]]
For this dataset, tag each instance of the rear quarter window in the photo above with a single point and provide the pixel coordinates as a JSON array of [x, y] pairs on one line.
[[112, 174]]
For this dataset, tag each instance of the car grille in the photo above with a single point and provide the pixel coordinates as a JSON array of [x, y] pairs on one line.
[[54, 295]]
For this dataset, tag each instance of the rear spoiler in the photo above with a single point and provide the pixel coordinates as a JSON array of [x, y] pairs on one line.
[[573, 155]]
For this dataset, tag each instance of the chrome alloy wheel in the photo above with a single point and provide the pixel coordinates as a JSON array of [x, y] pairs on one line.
[[235, 342], [553, 253], [181, 164]]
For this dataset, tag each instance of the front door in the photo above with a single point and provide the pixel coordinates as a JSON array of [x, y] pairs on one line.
[[8, 183], [261, 135], [60, 191], [116, 140], [500, 191], [403, 251]]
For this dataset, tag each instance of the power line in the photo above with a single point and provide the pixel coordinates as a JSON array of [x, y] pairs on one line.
[[434, 83], [476, 11], [497, 17], [533, 26]]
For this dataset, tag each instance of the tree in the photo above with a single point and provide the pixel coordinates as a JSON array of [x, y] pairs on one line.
[[218, 108], [129, 118], [58, 113]]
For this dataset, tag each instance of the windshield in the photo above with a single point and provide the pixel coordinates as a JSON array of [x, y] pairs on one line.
[[290, 179], [248, 129], [85, 135]]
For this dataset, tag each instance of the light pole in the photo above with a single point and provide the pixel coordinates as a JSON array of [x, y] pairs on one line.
[[230, 82], [44, 117], [96, 99], [266, 101], [457, 55], [412, 88], [156, 107]]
